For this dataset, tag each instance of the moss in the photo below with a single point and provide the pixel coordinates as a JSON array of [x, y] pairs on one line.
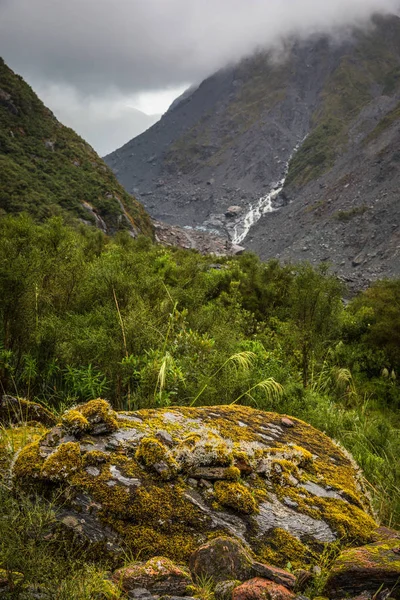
[[28, 463], [236, 496], [351, 523], [94, 458], [279, 548], [232, 474], [99, 411], [155, 456], [74, 423], [63, 463]]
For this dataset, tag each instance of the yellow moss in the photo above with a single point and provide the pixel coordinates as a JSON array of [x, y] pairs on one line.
[[99, 411], [75, 423], [94, 458], [279, 548], [63, 463], [352, 524], [232, 474], [236, 496], [152, 453], [29, 462], [191, 440], [144, 541]]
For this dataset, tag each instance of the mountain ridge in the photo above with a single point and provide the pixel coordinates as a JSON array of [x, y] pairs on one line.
[[229, 142]]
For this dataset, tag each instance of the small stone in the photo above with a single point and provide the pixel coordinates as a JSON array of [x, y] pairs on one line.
[[211, 473], [139, 594], [274, 574], [158, 575], [287, 422], [221, 559], [165, 437], [261, 589]]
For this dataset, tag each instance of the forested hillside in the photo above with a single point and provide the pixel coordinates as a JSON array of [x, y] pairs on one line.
[[47, 169]]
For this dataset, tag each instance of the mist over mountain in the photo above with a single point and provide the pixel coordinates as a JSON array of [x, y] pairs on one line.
[[322, 124]]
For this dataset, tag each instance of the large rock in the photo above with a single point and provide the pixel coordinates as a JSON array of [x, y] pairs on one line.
[[16, 410], [225, 558], [369, 568], [132, 479], [221, 559]]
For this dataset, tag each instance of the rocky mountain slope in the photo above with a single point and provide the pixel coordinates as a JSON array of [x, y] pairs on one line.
[[47, 169], [321, 122]]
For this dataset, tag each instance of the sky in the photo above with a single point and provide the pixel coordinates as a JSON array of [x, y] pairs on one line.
[[109, 68]]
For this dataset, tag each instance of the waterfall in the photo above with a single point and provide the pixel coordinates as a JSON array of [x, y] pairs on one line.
[[263, 206]]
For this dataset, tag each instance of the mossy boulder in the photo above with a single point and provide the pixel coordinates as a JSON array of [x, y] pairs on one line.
[[17, 410], [370, 568], [165, 481], [158, 575]]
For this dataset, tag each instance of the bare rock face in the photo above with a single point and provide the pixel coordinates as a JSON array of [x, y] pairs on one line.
[[163, 482]]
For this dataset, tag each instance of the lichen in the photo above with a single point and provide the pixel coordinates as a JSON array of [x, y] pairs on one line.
[[236, 496]]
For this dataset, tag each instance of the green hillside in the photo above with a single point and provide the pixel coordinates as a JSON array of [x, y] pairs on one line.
[[47, 169]]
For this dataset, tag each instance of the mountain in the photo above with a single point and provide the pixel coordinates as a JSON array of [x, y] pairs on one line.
[[47, 169], [313, 134]]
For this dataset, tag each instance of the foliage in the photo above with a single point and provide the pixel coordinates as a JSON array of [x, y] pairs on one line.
[[83, 316]]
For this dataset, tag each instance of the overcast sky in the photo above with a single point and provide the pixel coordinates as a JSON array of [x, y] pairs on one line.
[[94, 62]]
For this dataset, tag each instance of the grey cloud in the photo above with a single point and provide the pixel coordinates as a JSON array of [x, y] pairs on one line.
[[88, 59], [106, 123], [134, 45]]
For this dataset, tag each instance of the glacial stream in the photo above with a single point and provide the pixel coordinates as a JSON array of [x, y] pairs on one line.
[[265, 205]]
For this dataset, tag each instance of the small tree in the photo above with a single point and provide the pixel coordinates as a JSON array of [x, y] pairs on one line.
[[315, 306]]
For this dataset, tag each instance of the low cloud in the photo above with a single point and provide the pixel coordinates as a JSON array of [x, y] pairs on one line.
[[122, 48]]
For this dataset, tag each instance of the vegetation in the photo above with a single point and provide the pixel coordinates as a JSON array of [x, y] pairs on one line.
[[47, 169], [84, 316]]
